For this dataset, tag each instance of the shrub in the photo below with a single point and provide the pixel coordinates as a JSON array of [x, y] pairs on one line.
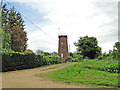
[[76, 58], [116, 55], [100, 58], [102, 65], [105, 56]]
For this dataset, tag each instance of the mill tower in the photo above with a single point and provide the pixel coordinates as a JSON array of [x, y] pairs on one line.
[[63, 47]]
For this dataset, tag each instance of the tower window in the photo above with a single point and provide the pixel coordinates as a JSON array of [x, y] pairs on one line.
[[61, 45], [62, 55]]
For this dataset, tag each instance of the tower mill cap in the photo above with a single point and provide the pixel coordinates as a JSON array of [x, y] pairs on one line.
[[62, 36]]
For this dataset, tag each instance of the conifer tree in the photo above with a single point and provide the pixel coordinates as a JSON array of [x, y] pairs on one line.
[[6, 37], [13, 25]]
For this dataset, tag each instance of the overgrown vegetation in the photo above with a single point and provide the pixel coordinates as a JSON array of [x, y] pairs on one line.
[[113, 54], [88, 72], [74, 57], [103, 65]]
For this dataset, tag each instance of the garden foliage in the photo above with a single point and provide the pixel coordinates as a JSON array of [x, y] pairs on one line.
[[17, 61], [74, 57], [103, 65]]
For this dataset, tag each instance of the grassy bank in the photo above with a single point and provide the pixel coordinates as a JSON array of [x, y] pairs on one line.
[[88, 72]]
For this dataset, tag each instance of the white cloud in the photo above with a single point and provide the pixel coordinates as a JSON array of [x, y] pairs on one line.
[[74, 17]]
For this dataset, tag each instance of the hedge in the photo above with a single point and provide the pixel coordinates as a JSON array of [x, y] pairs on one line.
[[18, 61]]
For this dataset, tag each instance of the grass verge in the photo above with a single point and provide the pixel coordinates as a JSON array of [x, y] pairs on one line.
[[86, 76]]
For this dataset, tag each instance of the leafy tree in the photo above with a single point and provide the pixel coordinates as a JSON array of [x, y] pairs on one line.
[[116, 55], [116, 52], [88, 47], [13, 26], [117, 45]]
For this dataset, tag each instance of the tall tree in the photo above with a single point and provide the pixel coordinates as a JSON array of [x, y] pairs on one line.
[[13, 24], [88, 46], [6, 37]]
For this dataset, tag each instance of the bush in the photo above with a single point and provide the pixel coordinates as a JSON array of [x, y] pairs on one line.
[[17, 61], [100, 58], [102, 65], [76, 58], [116, 55], [105, 56]]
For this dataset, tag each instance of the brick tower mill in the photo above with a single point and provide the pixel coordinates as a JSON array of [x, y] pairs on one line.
[[63, 47]]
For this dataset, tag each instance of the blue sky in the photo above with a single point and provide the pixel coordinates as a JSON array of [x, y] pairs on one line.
[[32, 14], [74, 17]]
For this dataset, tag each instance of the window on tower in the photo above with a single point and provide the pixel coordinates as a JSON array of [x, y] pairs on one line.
[[61, 45], [62, 55]]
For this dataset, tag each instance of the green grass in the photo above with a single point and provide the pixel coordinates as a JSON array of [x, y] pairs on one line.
[[80, 74]]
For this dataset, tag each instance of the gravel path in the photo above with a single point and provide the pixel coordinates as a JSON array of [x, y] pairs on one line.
[[27, 79]]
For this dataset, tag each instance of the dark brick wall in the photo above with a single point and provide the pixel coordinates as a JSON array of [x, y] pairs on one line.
[[63, 47]]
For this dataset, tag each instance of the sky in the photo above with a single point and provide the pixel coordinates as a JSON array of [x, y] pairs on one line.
[[74, 18]]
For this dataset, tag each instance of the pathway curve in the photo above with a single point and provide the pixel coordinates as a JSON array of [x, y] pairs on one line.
[[27, 79]]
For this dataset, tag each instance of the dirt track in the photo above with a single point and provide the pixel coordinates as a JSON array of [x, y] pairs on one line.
[[27, 79]]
